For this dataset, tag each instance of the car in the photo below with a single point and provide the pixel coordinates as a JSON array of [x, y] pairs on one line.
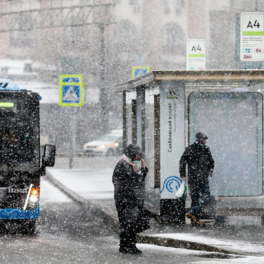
[[107, 145]]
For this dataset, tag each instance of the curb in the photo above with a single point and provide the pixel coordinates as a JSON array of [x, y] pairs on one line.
[[113, 224], [175, 243]]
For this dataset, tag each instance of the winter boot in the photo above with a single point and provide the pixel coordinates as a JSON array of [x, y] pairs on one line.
[[194, 221], [128, 244], [134, 241]]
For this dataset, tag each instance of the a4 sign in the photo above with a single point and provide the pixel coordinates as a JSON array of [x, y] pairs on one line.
[[195, 54], [251, 36]]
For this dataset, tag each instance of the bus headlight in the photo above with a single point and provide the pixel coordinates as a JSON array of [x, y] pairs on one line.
[[33, 199]]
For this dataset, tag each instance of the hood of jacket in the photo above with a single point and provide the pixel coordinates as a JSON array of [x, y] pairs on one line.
[[132, 151]]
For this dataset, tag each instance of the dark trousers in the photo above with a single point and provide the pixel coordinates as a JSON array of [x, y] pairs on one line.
[[200, 195], [127, 239], [133, 219]]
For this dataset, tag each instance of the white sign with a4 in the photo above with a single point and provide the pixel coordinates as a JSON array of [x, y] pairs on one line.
[[251, 36], [195, 54]]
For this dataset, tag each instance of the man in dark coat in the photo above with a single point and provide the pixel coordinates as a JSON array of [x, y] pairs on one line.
[[200, 166], [128, 179]]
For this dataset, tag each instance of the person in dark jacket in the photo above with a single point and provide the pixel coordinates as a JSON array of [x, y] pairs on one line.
[[200, 165], [128, 179]]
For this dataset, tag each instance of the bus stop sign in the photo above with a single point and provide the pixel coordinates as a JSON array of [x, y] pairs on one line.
[[71, 90]]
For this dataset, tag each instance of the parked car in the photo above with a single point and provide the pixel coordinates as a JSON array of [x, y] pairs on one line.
[[107, 145]]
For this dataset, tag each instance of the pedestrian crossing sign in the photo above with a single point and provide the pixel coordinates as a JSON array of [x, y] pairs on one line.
[[71, 90], [138, 71]]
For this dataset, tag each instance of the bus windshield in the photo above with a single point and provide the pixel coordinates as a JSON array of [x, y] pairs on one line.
[[19, 132]]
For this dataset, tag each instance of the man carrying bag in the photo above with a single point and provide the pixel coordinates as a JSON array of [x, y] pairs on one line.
[[200, 165]]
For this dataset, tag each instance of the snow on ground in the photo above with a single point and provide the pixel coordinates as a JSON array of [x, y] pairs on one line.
[[49, 193], [95, 184], [246, 260], [182, 252], [237, 246]]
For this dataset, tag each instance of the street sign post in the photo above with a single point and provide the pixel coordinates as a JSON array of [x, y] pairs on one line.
[[138, 71], [71, 95], [251, 36], [71, 90], [195, 55]]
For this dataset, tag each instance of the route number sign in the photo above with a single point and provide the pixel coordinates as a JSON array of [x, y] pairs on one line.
[[251, 36], [195, 55]]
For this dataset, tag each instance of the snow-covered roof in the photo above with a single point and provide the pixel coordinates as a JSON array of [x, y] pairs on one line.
[[153, 78], [48, 92], [12, 63]]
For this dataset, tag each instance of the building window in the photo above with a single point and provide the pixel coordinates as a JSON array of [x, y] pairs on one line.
[[173, 39], [127, 37], [166, 6], [136, 4], [180, 4]]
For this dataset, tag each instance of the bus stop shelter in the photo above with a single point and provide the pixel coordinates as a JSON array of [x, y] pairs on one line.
[[163, 111]]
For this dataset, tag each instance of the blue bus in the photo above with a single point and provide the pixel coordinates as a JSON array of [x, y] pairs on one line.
[[21, 164]]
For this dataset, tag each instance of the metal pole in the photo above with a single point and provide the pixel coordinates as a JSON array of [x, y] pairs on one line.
[[143, 119], [103, 94], [157, 141], [139, 116], [134, 121], [73, 111], [124, 122]]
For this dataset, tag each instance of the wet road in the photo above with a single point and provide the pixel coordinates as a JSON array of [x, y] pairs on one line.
[[67, 233]]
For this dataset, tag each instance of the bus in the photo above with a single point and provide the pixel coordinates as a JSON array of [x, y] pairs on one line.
[[21, 164]]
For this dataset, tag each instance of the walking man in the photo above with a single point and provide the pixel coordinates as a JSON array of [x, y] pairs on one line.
[[200, 165]]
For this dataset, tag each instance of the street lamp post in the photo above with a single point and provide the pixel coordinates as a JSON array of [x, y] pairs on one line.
[[103, 92]]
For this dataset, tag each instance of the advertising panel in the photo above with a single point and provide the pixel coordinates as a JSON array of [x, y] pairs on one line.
[[171, 136]]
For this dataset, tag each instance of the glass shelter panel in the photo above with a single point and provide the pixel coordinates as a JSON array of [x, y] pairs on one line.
[[233, 123]]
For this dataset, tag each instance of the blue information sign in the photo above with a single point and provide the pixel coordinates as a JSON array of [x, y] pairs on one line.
[[71, 90]]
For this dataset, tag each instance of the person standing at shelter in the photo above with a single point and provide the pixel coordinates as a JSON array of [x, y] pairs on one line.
[[128, 179], [200, 165]]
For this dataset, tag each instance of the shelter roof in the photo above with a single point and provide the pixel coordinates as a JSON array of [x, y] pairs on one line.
[[153, 79]]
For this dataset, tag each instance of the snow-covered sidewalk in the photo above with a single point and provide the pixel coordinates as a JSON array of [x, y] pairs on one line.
[[90, 184], [95, 186], [233, 245]]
